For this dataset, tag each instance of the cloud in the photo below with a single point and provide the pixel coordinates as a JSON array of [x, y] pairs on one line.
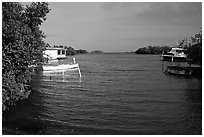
[[126, 8], [154, 14]]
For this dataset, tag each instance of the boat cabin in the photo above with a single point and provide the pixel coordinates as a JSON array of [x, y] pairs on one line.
[[54, 53], [175, 55], [177, 50]]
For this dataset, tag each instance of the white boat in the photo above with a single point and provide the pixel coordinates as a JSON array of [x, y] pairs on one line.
[[61, 68], [175, 55], [54, 53]]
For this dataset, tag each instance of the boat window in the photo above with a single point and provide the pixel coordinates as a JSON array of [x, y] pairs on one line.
[[63, 52], [169, 54], [179, 51], [58, 52]]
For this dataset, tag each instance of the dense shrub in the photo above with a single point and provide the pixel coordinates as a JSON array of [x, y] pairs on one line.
[[195, 53], [22, 46]]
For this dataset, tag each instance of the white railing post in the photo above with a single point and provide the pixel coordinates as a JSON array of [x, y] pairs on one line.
[[74, 60], [79, 71]]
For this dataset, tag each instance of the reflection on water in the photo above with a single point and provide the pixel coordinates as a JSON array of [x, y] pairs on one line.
[[117, 94], [193, 107], [66, 76]]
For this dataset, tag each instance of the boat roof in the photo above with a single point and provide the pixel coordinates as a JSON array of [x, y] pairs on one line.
[[177, 49], [49, 48]]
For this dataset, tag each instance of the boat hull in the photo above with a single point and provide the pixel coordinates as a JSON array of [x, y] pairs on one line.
[[62, 67], [178, 70]]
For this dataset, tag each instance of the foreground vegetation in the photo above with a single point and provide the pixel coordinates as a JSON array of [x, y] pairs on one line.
[[22, 46], [194, 53]]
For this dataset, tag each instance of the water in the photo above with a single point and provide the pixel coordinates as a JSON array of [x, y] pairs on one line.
[[117, 94]]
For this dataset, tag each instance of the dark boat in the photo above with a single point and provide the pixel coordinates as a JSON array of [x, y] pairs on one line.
[[178, 70], [184, 71]]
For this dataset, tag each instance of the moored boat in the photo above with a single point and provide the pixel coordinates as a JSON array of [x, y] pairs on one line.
[[175, 55], [62, 67], [179, 70], [54, 53]]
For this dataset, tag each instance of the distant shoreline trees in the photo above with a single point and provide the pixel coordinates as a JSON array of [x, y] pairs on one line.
[[153, 50], [97, 52]]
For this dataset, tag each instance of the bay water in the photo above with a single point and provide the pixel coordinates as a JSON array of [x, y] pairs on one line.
[[117, 94]]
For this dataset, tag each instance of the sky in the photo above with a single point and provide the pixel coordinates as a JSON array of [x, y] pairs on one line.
[[120, 26]]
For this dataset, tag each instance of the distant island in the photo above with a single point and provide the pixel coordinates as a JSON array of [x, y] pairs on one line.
[[153, 50], [96, 52]]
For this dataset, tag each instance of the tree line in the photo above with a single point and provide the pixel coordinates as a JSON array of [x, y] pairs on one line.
[[153, 50]]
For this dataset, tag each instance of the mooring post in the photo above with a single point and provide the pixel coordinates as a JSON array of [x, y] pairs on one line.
[[172, 59], [79, 72], [74, 60]]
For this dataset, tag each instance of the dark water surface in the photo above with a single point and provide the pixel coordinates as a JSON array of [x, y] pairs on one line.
[[117, 94]]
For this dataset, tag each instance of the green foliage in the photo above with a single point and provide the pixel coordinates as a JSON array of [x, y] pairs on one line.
[[12, 90], [22, 44]]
